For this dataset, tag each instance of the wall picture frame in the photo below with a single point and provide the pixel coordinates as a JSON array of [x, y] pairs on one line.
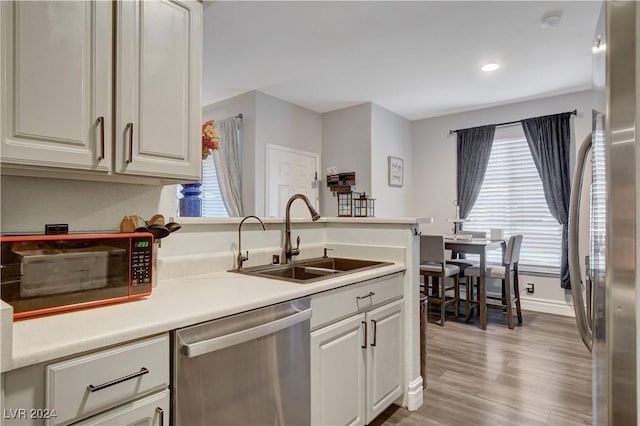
[[396, 171]]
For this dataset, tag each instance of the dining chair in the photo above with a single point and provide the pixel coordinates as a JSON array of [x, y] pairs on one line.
[[508, 273], [433, 267], [464, 264]]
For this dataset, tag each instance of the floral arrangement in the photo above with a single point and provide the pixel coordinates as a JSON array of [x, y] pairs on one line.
[[210, 138]]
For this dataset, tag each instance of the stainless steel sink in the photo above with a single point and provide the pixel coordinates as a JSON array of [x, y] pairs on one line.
[[341, 264], [312, 270]]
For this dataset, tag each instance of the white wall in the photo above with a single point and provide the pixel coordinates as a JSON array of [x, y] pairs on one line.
[[266, 120], [27, 204], [282, 123], [346, 144], [244, 104], [390, 136], [434, 150], [434, 172]]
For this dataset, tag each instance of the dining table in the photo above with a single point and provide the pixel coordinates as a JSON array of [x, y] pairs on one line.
[[481, 247]]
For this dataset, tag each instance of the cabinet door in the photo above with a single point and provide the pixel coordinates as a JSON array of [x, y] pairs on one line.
[[338, 373], [150, 411], [56, 83], [158, 111], [385, 371]]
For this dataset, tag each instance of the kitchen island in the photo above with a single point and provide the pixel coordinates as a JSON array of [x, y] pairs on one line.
[[195, 286]]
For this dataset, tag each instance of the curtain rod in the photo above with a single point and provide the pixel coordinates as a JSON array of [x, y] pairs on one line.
[[239, 116], [574, 112]]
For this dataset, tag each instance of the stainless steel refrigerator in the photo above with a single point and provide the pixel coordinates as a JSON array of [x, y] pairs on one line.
[[605, 299]]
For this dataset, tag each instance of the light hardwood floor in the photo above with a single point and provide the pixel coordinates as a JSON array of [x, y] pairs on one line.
[[537, 374]]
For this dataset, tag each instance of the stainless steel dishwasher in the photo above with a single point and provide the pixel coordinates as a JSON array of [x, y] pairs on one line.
[[246, 369]]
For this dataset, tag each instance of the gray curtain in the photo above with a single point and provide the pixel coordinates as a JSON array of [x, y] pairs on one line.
[[227, 159], [549, 138], [474, 149]]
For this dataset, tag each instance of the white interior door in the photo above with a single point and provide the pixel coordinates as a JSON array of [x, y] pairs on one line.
[[290, 172]]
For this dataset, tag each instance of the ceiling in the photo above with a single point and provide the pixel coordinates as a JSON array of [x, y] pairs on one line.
[[417, 59]]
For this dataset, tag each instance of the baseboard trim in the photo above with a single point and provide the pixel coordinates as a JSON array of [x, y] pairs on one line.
[[414, 394], [548, 307]]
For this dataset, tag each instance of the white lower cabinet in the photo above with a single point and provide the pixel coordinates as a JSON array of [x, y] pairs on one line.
[[357, 363], [123, 385], [83, 386], [338, 373], [384, 358], [150, 411]]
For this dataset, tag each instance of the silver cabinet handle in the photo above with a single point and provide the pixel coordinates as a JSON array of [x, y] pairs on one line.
[[217, 343], [364, 326], [130, 153], [374, 323], [101, 126], [574, 261], [160, 412], [142, 372], [371, 294]]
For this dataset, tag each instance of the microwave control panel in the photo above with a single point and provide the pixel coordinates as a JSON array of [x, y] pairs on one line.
[[141, 261]]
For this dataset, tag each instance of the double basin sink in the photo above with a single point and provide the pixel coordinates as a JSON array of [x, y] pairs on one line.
[[312, 270]]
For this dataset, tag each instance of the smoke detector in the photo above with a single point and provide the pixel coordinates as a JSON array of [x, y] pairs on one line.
[[551, 19]]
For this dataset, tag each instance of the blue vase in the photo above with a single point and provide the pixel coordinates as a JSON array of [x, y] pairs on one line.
[[191, 203]]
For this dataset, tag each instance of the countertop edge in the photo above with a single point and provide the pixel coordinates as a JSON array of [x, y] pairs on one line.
[[28, 350], [355, 220]]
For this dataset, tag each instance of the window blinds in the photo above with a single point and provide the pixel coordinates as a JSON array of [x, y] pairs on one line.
[[598, 208], [512, 198], [212, 204]]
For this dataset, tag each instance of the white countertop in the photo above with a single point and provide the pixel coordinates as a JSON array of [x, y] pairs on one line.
[[173, 304]]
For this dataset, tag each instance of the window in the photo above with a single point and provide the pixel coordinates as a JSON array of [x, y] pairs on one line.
[[598, 206], [212, 204], [512, 198]]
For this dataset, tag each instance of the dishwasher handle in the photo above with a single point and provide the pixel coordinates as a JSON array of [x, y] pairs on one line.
[[210, 345]]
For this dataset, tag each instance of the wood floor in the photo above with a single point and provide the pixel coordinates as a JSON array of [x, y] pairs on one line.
[[537, 374]]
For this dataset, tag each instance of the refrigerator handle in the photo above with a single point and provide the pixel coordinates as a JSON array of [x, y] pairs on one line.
[[588, 281], [582, 321]]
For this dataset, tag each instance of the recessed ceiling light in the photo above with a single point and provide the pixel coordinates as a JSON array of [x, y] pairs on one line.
[[551, 19], [490, 67]]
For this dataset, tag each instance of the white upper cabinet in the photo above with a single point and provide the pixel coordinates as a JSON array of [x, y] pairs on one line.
[[158, 71], [56, 84], [67, 106]]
